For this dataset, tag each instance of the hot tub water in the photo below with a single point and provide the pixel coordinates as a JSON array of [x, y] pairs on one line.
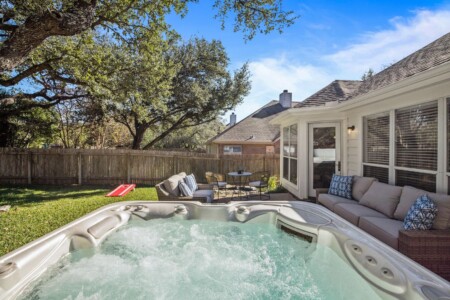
[[179, 259]]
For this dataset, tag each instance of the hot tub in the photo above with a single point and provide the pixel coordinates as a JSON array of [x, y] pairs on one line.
[[325, 256]]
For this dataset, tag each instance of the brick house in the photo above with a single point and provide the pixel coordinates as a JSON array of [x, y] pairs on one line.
[[254, 134]]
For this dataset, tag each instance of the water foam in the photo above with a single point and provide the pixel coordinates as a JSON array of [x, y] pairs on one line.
[[168, 259]]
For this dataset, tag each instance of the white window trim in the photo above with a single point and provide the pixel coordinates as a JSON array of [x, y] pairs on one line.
[[289, 157], [441, 172], [232, 153]]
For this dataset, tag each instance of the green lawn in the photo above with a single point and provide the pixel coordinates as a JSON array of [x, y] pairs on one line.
[[37, 210]]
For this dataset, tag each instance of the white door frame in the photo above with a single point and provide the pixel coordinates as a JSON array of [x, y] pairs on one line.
[[311, 126]]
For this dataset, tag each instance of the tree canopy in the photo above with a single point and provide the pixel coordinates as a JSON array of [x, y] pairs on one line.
[[123, 56]]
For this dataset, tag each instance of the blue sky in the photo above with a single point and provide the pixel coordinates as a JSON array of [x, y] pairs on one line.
[[331, 40]]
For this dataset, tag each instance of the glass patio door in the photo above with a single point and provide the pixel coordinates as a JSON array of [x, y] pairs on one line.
[[324, 155]]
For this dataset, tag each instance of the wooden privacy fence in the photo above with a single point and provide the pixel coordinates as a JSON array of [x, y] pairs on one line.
[[114, 166]]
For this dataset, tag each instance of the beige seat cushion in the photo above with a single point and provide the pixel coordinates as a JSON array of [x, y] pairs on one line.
[[206, 194], [361, 185], [410, 195], [352, 212], [382, 197], [384, 229], [329, 201], [171, 184]]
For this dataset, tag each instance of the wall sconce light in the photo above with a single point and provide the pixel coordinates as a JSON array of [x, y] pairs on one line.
[[351, 128]]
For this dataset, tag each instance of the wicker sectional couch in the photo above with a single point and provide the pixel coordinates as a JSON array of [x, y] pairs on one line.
[[168, 190], [379, 209]]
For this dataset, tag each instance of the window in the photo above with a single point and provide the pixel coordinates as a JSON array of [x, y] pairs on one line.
[[232, 149], [376, 147], [416, 137], [382, 174], [409, 156], [290, 153]]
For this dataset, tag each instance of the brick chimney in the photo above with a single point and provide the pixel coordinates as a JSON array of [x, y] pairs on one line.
[[286, 99], [232, 119]]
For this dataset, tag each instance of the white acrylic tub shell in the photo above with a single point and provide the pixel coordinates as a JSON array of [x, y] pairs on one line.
[[391, 274]]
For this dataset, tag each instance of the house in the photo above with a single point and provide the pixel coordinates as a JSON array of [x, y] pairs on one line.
[[393, 126], [254, 134]]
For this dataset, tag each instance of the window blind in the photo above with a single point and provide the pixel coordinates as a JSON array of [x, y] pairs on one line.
[[376, 139], [293, 141], [380, 173], [418, 180], [416, 136], [285, 141]]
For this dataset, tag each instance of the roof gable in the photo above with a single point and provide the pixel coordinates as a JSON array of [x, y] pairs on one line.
[[337, 91], [256, 127]]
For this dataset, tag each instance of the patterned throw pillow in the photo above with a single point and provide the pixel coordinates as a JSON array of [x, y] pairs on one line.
[[191, 182], [184, 189], [421, 215], [341, 186]]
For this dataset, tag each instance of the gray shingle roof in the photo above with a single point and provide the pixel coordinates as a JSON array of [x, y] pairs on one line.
[[338, 90], [434, 54], [256, 125]]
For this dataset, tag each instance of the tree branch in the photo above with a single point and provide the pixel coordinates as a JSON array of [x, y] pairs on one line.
[[37, 28], [28, 72]]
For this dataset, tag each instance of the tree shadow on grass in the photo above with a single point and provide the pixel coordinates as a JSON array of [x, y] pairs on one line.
[[32, 195]]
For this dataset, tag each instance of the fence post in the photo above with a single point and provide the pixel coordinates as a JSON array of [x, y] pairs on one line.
[[79, 168], [128, 156], [174, 167], [30, 157]]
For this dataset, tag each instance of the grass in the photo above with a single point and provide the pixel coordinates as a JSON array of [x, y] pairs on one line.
[[38, 210]]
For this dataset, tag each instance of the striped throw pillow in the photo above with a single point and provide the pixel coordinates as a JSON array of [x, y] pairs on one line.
[[185, 190], [191, 182]]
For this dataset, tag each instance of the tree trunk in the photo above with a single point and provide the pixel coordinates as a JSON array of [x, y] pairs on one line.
[[139, 136], [5, 132], [37, 28]]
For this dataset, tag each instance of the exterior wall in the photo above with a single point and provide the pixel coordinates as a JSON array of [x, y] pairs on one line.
[[252, 149], [354, 150], [212, 149], [430, 85]]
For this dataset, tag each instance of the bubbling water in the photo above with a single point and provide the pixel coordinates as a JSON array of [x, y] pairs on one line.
[[179, 259]]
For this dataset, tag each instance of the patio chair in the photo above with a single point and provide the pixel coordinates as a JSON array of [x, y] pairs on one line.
[[218, 181], [260, 180]]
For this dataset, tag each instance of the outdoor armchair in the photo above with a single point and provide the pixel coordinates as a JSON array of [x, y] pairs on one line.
[[260, 180]]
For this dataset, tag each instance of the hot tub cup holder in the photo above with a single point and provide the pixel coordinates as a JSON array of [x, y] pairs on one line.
[[7, 268], [180, 210], [134, 207], [242, 213]]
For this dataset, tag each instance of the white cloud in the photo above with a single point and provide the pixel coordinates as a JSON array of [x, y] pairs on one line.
[[377, 49], [270, 76]]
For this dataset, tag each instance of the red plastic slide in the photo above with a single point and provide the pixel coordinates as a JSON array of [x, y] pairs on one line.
[[121, 190]]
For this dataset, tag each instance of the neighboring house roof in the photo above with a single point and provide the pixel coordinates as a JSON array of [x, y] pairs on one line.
[[255, 128], [338, 90], [434, 54]]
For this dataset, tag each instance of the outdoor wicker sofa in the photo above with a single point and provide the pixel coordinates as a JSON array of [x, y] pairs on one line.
[[379, 209], [168, 190]]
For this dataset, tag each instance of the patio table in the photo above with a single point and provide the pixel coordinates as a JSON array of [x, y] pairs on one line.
[[239, 184]]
